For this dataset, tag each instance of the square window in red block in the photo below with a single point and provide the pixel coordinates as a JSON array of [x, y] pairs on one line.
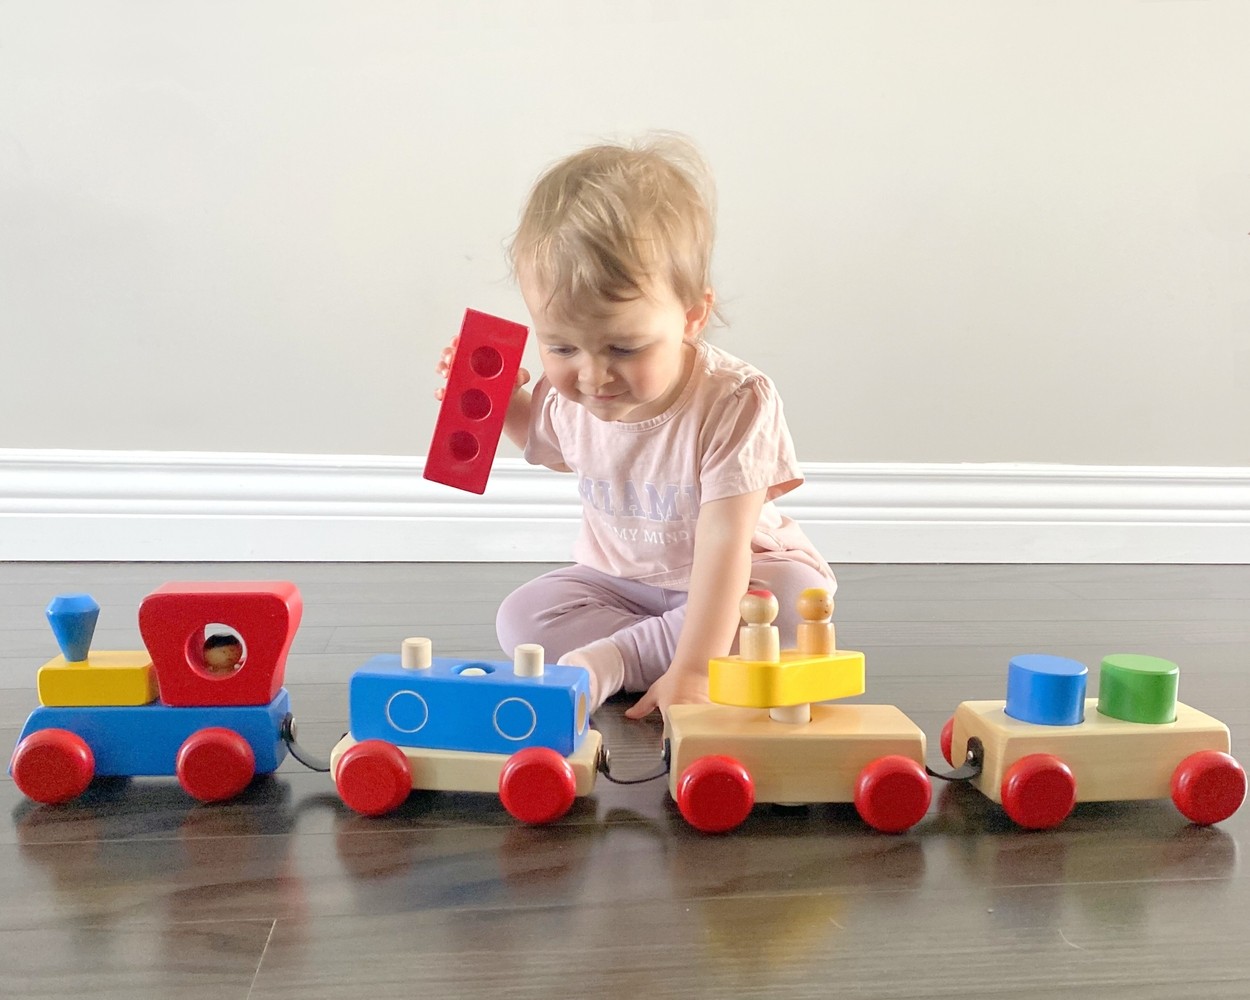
[[195, 669]]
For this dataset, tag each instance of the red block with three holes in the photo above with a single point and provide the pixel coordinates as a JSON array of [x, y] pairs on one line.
[[262, 616], [475, 402]]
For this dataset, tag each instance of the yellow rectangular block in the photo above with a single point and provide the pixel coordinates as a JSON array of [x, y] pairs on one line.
[[105, 677], [469, 771], [818, 761], [797, 679], [1111, 760]]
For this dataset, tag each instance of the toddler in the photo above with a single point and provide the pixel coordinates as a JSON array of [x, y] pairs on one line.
[[679, 448]]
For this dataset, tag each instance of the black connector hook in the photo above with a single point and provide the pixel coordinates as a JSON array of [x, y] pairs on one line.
[[287, 732], [974, 763], [603, 764]]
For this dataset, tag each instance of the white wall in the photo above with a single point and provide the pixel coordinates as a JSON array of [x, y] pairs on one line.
[[957, 231]]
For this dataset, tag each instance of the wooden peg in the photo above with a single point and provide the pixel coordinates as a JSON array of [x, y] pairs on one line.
[[416, 654], [795, 715], [759, 639], [816, 631], [527, 660]]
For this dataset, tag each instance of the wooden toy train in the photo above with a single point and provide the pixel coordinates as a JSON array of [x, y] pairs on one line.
[[205, 702], [210, 711]]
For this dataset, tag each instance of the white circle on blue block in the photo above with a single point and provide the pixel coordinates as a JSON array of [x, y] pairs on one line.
[[407, 711], [515, 719]]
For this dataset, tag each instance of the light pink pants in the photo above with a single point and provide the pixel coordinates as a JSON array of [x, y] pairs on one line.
[[573, 606]]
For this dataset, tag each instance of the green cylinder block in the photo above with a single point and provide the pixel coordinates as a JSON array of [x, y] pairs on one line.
[[1138, 688]]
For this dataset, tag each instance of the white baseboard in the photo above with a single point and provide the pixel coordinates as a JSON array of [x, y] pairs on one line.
[[188, 507]]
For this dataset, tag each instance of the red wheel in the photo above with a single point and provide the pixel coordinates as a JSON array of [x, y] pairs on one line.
[[537, 785], [1038, 791], [53, 765], [373, 777], [214, 764], [946, 739], [1208, 787], [892, 793], [715, 794]]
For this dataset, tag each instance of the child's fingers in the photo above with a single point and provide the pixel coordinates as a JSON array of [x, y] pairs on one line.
[[522, 377], [642, 708], [447, 356]]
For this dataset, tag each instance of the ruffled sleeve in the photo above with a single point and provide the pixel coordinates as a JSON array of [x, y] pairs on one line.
[[543, 445], [746, 445]]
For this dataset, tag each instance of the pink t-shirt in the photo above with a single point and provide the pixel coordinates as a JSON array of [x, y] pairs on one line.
[[642, 483]]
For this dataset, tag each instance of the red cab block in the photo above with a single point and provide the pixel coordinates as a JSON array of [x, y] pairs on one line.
[[475, 401], [263, 616]]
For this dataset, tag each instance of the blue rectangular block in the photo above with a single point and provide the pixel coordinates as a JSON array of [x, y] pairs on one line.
[[144, 739], [448, 706]]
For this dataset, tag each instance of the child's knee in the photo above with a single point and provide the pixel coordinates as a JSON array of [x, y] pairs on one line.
[[514, 622]]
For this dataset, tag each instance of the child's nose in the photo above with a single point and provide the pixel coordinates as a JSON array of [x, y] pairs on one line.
[[594, 372]]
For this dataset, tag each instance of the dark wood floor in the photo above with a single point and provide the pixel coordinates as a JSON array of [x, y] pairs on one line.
[[135, 892]]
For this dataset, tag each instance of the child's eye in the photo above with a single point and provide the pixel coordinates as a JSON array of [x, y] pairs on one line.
[[624, 352], [560, 352]]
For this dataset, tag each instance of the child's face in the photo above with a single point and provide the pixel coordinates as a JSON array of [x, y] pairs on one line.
[[629, 361]]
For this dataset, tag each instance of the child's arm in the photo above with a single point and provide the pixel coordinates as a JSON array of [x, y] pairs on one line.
[[516, 424], [718, 578]]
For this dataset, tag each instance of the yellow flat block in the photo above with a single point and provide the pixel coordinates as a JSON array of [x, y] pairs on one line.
[[466, 771], [799, 678], [1111, 760], [818, 761], [105, 677]]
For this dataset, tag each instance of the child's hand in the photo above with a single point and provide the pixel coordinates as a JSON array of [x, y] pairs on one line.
[[444, 365], [676, 687], [448, 355]]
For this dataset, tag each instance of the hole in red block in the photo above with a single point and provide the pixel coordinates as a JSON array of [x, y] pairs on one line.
[[486, 362], [224, 652], [464, 446], [475, 404]]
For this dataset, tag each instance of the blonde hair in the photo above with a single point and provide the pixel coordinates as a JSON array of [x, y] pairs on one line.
[[605, 223]]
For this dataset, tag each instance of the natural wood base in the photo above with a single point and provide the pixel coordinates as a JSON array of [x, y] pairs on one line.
[[815, 762], [1111, 760], [461, 771]]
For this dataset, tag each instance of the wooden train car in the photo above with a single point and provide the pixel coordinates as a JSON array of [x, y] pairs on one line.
[[1047, 746], [209, 708], [521, 729], [762, 739]]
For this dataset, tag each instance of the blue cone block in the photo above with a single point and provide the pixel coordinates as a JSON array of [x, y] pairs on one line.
[[1046, 690], [73, 618]]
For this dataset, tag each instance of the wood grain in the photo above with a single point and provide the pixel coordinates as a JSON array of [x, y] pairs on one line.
[[136, 892]]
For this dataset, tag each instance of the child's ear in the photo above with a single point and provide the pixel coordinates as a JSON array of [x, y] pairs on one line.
[[697, 315]]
